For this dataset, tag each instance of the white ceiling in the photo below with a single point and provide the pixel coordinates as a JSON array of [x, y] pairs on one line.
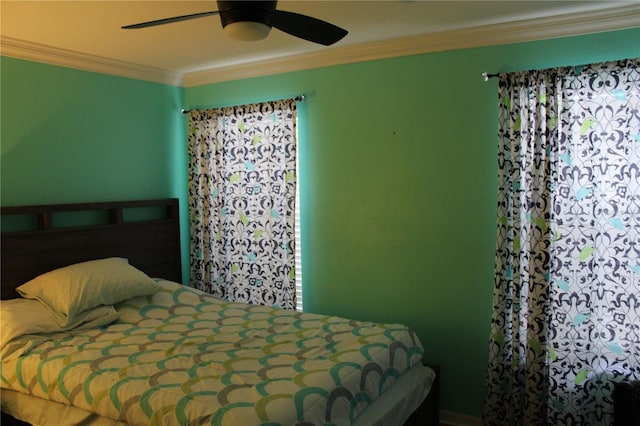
[[87, 34]]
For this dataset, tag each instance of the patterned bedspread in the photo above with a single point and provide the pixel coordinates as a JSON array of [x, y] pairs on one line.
[[180, 357]]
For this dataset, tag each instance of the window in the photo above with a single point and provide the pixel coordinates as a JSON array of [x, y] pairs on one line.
[[299, 303], [242, 189], [566, 298]]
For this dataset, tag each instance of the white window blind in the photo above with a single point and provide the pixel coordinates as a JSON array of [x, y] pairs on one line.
[[298, 241]]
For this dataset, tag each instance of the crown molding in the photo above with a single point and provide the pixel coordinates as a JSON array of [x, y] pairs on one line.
[[514, 32], [623, 17], [36, 52]]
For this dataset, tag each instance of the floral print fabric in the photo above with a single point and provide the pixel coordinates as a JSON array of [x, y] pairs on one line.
[[242, 184], [566, 319]]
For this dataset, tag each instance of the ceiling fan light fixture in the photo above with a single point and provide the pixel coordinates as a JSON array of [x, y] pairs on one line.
[[247, 30]]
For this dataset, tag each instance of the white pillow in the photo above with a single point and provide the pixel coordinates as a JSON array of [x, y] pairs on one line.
[[77, 288], [25, 316], [21, 317]]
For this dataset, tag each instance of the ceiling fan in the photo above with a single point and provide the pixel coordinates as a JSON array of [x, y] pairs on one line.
[[252, 20]]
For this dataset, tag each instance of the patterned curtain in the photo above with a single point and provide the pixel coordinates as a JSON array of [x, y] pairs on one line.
[[242, 185], [566, 315]]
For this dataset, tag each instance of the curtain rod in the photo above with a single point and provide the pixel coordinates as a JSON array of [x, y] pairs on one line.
[[299, 98], [577, 69], [486, 76]]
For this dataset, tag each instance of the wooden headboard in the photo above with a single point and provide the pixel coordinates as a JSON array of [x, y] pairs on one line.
[[145, 232]]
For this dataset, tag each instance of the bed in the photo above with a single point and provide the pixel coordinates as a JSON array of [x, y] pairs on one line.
[[96, 329]]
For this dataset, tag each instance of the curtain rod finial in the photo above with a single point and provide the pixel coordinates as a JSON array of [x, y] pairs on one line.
[[486, 76]]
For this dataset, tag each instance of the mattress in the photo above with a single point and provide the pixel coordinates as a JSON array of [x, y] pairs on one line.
[[184, 357]]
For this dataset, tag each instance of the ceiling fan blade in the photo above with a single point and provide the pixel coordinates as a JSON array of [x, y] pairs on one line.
[[170, 20], [307, 28]]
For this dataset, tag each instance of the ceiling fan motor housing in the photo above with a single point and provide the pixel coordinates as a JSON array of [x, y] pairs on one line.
[[242, 11]]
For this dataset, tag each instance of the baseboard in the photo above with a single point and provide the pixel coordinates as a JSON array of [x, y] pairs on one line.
[[451, 418]]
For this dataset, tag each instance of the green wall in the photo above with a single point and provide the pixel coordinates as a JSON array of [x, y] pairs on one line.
[[75, 136], [71, 135], [398, 180], [398, 174]]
